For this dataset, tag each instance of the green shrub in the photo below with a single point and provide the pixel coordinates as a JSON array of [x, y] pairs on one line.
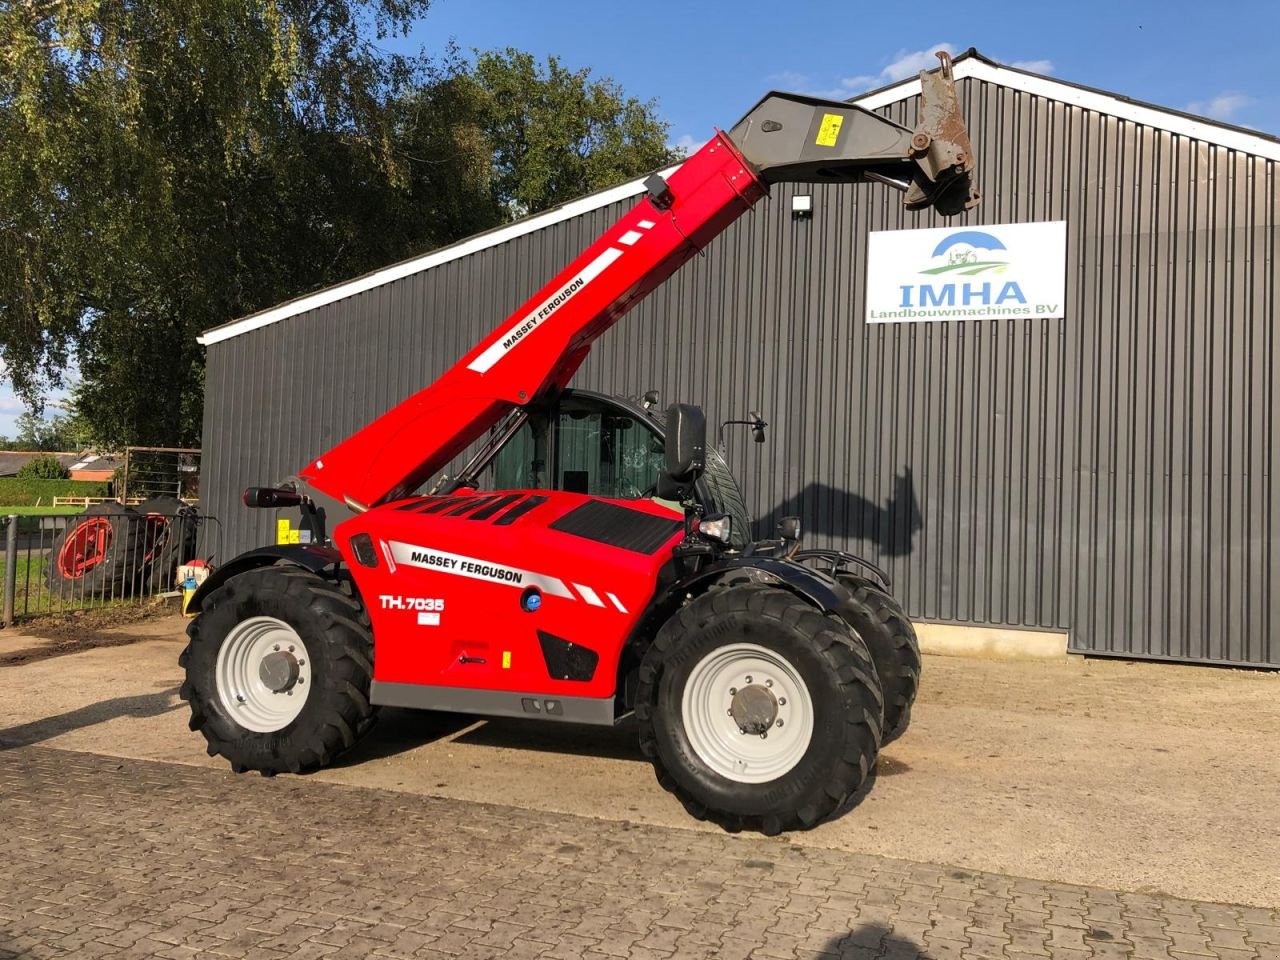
[[27, 493], [43, 467]]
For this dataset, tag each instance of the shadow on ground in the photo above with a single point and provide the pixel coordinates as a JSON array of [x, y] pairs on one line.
[[399, 731], [874, 941], [142, 705]]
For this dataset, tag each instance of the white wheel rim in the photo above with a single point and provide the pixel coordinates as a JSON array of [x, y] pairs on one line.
[[243, 688], [713, 730]]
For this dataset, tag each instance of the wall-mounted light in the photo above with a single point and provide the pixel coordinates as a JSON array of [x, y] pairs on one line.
[[801, 206]]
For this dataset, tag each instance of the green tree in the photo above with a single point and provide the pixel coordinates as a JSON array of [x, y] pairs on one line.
[[65, 433], [43, 467], [557, 134], [167, 166]]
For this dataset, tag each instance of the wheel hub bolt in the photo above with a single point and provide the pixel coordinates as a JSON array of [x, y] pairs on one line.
[[779, 723], [782, 701], [748, 680], [768, 683], [733, 692]]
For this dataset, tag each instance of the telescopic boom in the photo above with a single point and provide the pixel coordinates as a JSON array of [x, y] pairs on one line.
[[784, 138]]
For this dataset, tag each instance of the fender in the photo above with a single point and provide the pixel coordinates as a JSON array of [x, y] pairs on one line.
[[313, 557], [821, 590], [839, 560]]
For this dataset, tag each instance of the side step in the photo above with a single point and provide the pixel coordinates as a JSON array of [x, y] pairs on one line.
[[598, 711]]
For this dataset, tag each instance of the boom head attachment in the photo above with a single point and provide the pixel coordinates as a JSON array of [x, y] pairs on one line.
[[795, 138]]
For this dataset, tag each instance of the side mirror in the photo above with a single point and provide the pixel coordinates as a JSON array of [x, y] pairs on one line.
[[686, 448], [757, 426]]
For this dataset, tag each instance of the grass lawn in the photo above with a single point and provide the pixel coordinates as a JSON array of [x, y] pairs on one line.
[[28, 517]]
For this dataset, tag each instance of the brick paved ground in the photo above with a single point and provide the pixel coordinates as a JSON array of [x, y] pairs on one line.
[[103, 857]]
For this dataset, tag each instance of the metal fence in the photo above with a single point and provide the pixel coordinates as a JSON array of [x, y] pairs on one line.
[[160, 472], [107, 555]]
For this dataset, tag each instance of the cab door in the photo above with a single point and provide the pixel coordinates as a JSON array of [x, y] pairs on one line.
[[586, 444]]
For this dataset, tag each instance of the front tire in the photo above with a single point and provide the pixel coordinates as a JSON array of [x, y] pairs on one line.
[[278, 671], [882, 623], [714, 681]]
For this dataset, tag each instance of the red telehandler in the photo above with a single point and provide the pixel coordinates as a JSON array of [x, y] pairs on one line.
[[605, 571]]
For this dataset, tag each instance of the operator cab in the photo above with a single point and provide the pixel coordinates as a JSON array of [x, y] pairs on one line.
[[604, 446]]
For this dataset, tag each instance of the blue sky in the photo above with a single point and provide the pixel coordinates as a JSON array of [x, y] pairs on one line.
[[706, 62]]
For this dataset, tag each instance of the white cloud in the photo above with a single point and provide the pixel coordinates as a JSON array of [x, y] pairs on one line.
[[1222, 107], [685, 145], [909, 63], [1033, 66], [905, 63]]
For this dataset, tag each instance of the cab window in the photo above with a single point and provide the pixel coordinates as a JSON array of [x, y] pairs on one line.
[[605, 452], [600, 450]]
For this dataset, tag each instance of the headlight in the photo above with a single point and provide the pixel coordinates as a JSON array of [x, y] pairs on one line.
[[717, 527]]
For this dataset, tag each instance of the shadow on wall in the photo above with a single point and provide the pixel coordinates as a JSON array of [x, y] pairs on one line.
[[832, 512]]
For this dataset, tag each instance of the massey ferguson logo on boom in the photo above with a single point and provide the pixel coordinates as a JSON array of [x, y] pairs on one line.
[[513, 335], [547, 309]]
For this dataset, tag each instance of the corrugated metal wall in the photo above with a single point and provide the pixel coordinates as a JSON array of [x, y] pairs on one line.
[[1111, 473]]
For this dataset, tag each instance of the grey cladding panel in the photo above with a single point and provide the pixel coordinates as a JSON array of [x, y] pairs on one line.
[[1111, 473]]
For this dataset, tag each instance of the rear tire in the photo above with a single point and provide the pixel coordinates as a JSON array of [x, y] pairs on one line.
[[169, 538], [891, 639], [232, 704], [691, 721], [96, 555]]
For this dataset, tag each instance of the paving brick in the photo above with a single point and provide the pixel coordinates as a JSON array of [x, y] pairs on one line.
[[182, 877]]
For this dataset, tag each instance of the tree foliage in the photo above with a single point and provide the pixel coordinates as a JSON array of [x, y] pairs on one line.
[[43, 467], [557, 134], [170, 165], [64, 433]]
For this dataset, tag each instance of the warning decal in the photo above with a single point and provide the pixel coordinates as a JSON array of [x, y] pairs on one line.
[[829, 132]]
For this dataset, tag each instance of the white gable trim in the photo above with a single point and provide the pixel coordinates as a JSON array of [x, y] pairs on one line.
[[1093, 100], [971, 67], [425, 262]]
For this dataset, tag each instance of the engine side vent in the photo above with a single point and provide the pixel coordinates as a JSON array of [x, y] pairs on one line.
[[489, 509], [519, 510], [436, 504], [618, 526]]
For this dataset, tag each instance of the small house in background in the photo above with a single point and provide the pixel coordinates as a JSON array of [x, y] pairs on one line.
[[95, 466], [82, 466]]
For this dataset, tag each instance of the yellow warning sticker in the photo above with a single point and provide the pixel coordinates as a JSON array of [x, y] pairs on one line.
[[830, 130], [506, 659], [282, 531], [295, 536]]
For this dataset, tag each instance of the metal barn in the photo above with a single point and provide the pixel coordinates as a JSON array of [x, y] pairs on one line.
[[1110, 474]]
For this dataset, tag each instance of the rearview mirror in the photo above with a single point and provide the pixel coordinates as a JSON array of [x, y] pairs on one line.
[[757, 426], [686, 448]]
